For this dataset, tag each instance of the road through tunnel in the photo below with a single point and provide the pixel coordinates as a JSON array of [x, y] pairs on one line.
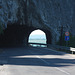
[[18, 35]]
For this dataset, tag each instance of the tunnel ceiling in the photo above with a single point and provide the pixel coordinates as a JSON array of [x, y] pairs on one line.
[[48, 15]]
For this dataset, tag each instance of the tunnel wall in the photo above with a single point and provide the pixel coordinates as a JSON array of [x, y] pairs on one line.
[[18, 35], [48, 15], [13, 35]]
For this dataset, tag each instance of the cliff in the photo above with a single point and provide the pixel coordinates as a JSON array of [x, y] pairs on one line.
[[43, 14]]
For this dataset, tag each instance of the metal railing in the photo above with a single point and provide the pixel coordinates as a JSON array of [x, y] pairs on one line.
[[37, 44], [53, 46]]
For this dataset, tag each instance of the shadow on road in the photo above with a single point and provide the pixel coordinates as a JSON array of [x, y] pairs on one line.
[[28, 57]]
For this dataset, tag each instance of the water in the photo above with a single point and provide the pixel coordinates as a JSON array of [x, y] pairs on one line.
[[37, 41], [42, 41]]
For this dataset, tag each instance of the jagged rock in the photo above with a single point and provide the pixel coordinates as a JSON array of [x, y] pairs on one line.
[[40, 14]]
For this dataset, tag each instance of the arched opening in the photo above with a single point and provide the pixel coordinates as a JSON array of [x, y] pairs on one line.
[[20, 35], [37, 36]]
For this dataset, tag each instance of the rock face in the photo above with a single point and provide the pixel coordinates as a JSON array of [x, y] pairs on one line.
[[48, 15]]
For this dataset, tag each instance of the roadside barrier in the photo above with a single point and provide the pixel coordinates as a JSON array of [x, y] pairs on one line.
[[52, 46]]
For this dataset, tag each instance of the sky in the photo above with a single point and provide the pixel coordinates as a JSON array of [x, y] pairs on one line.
[[37, 32]]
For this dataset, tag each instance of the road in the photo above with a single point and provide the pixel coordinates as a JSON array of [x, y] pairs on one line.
[[36, 61]]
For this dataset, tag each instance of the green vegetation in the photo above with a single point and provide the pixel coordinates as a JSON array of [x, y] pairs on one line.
[[70, 43]]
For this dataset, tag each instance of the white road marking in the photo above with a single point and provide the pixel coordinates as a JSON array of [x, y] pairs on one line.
[[49, 64]]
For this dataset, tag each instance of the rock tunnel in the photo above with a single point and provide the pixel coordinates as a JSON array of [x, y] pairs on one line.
[[18, 18], [18, 35]]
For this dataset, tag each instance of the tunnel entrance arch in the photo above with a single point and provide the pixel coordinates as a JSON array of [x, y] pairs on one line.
[[18, 35], [37, 36], [47, 33]]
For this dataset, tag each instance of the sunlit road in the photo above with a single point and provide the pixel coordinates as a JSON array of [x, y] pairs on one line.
[[36, 61]]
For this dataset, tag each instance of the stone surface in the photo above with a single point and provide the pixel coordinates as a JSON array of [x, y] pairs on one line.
[[40, 14]]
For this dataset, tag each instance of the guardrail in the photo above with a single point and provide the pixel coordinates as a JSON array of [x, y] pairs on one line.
[[37, 44], [72, 49], [53, 46]]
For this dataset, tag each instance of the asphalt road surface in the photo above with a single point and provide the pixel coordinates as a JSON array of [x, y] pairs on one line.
[[36, 61]]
